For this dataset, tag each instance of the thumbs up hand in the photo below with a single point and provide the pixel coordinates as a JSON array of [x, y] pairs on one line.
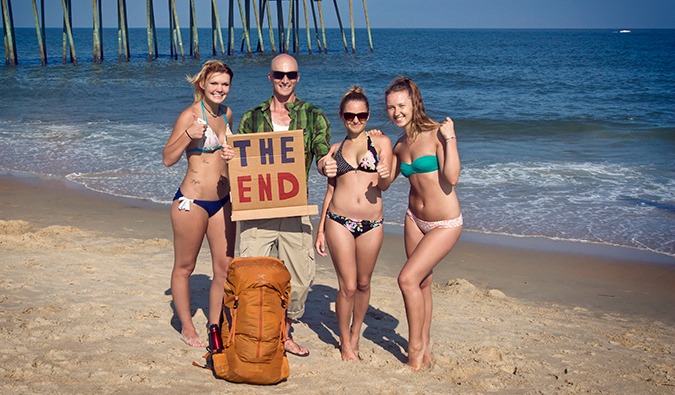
[[329, 163], [383, 170]]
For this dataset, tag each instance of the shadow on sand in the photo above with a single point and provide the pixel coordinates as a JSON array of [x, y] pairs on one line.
[[199, 298], [380, 327]]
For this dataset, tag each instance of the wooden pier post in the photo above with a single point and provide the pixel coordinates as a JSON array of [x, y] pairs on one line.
[[280, 27], [152, 30], [215, 29], [43, 53], [123, 31], [230, 28], [258, 23], [172, 42], [342, 30], [97, 37], [245, 21], [309, 38], [176, 30], [323, 27], [9, 36], [370, 38], [269, 26], [244, 25], [42, 26], [64, 37], [288, 26], [64, 41], [316, 28], [67, 31], [296, 26], [194, 34], [119, 33], [351, 24]]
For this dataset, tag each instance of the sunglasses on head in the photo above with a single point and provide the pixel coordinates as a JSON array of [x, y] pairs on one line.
[[349, 116], [279, 75]]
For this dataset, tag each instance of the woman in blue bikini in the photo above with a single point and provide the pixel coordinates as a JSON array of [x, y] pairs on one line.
[[201, 205], [351, 220], [427, 155]]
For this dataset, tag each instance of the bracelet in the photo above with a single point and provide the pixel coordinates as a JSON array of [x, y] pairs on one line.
[[450, 138], [188, 134]]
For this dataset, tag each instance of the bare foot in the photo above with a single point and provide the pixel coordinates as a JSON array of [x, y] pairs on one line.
[[355, 337], [192, 339], [415, 360], [348, 354], [294, 348], [427, 359]]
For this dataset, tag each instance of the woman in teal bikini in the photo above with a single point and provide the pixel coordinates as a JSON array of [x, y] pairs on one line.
[[427, 156], [351, 220], [201, 205]]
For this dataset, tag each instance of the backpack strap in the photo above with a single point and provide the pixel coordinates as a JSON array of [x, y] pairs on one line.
[[206, 365], [283, 322], [233, 328]]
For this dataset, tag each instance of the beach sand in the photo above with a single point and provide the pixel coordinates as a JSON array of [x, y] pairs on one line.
[[85, 307]]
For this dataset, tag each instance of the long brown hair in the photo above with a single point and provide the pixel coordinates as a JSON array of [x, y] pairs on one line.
[[420, 120], [209, 67]]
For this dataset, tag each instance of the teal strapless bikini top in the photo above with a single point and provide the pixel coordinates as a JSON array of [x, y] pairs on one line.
[[423, 164]]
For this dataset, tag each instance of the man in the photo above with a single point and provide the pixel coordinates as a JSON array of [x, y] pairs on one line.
[[291, 236]]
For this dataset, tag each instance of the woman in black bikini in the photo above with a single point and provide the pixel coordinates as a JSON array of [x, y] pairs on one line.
[[201, 205], [351, 220]]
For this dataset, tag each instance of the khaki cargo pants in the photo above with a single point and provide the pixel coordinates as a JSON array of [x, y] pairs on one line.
[[291, 239]]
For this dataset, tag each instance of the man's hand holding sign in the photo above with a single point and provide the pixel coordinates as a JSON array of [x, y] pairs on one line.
[[267, 176]]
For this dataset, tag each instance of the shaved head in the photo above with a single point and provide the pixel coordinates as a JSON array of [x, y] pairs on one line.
[[284, 76], [284, 62]]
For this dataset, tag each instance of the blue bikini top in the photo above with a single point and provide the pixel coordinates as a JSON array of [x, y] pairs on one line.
[[368, 163], [423, 164], [210, 142]]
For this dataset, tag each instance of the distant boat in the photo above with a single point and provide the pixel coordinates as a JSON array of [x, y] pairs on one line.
[[624, 31]]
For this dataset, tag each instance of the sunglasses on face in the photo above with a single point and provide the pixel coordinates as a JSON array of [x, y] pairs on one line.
[[349, 116], [279, 75]]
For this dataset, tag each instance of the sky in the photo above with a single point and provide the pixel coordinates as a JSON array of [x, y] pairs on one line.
[[609, 14]]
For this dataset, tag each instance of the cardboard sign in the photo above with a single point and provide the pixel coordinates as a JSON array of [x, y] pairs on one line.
[[267, 176]]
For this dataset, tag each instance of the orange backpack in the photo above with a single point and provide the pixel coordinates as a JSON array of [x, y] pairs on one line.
[[257, 291]]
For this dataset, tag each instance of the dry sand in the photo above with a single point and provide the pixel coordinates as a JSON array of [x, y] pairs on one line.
[[85, 307]]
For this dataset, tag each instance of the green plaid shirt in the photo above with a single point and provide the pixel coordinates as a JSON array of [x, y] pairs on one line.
[[304, 115]]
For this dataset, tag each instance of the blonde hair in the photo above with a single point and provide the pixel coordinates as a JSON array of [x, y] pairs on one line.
[[209, 67], [354, 94], [420, 120]]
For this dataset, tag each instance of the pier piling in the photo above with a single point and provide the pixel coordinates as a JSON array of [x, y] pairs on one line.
[[342, 30], [40, 32], [68, 32], [152, 31], [217, 33], [194, 35], [288, 28]]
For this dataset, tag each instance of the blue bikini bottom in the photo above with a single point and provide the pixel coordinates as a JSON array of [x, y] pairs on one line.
[[211, 206]]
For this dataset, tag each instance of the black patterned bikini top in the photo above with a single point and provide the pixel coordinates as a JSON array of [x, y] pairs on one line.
[[368, 163]]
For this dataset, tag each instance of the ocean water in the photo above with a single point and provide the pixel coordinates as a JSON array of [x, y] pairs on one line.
[[563, 134]]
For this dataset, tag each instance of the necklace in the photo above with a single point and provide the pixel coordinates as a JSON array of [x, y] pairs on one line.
[[209, 111]]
